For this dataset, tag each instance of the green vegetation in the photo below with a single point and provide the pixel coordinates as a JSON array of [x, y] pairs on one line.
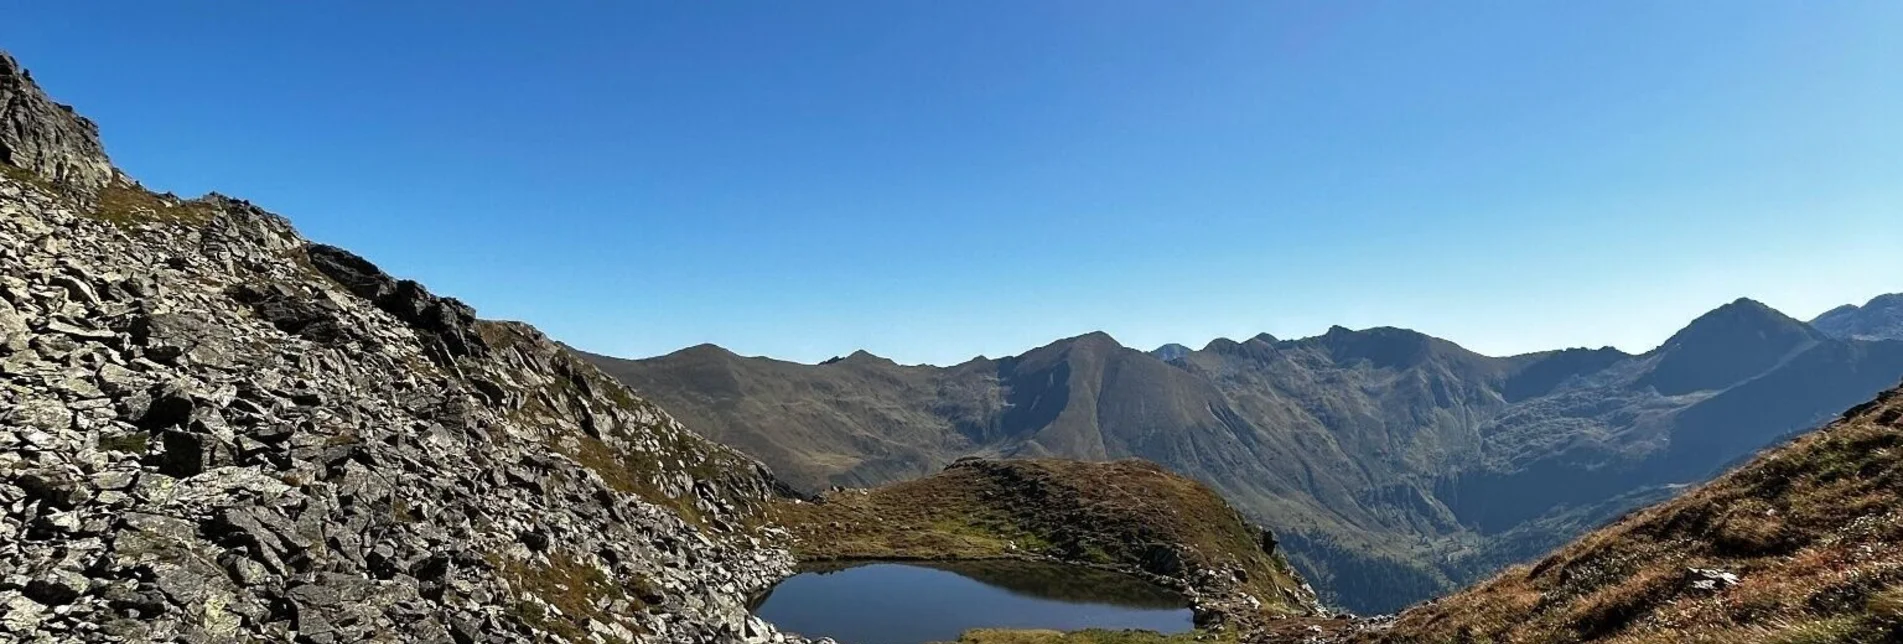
[[130, 442], [1126, 515]]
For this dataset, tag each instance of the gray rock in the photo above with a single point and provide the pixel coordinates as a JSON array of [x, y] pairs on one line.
[[46, 138], [22, 616], [233, 444], [58, 587], [13, 329]]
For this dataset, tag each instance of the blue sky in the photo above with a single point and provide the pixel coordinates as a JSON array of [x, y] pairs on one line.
[[937, 180]]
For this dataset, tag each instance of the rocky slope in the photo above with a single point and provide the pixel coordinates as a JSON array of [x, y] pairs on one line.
[[1879, 319], [212, 430], [1395, 465], [1802, 544], [1130, 516]]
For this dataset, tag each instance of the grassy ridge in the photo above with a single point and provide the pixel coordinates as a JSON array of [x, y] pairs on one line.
[[1128, 515], [1813, 532]]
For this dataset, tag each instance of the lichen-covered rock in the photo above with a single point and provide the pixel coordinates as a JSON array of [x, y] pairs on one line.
[[213, 431]]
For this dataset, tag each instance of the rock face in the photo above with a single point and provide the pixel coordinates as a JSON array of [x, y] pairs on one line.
[[213, 431], [47, 138]]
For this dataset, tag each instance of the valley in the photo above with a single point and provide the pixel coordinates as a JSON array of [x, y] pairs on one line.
[[1394, 465]]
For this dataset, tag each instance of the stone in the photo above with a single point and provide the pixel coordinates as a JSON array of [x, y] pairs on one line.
[[114, 479], [77, 289], [1710, 579], [168, 337], [46, 414], [22, 615], [13, 329], [115, 380], [206, 439], [58, 587], [312, 319], [53, 488]]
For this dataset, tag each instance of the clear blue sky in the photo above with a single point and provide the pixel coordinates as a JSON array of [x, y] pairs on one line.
[[936, 180]]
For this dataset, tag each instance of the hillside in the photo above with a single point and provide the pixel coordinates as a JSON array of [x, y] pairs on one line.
[[215, 431], [1804, 544], [1130, 516], [1394, 465]]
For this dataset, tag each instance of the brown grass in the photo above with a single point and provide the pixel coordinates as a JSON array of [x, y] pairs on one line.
[[1814, 530], [578, 591], [1129, 514], [128, 204]]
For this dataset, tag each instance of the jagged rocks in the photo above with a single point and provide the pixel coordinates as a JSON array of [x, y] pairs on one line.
[[47, 138], [211, 431]]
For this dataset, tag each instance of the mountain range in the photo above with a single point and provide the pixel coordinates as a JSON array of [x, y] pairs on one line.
[[1394, 464]]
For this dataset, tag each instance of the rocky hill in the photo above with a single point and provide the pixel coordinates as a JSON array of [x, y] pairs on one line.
[[212, 430], [1802, 544], [1394, 465]]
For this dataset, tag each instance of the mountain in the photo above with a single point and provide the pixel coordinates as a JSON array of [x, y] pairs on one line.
[[1393, 464], [1801, 544], [216, 431], [1171, 351], [1879, 319]]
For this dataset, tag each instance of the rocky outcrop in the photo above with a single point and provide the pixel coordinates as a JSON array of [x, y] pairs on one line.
[[46, 138], [213, 431]]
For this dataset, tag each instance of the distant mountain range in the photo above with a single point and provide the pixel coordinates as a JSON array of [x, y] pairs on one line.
[[1395, 465]]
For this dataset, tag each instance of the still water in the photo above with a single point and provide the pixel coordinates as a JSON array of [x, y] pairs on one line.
[[912, 603]]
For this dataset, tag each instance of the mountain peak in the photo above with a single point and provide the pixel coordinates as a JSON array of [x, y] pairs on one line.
[[1096, 339], [1383, 346], [861, 356], [46, 138], [1879, 319], [1728, 345], [1740, 319], [1171, 351]]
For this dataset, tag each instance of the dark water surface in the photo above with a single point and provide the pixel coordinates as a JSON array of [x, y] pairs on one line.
[[912, 603]]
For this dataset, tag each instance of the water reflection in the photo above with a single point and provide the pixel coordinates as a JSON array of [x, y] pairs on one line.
[[916, 602]]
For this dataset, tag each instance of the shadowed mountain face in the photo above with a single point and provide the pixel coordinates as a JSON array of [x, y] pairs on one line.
[[1880, 319], [1395, 464], [1798, 545]]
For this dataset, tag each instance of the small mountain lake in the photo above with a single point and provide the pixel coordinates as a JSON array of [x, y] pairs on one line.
[[917, 602]]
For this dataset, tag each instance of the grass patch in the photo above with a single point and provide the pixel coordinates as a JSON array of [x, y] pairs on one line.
[[130, 204], [1129, 515], [578, 592], [130, 442]]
